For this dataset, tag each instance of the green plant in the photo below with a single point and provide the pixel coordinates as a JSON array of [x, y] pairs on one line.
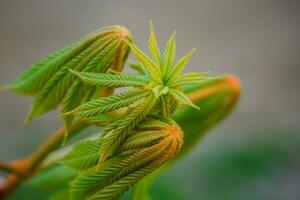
[[144, 126]]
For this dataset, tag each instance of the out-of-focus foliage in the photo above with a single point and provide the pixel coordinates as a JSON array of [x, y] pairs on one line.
[[253, 168]]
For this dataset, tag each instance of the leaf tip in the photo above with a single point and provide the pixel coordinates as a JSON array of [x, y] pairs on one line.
[[123, 32], [173, 36], [72, 112], [197, 107], [193, 51], [151, 24], [29, 118]]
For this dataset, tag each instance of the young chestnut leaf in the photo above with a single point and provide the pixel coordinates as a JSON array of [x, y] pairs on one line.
[[84, 155], [162, 85], [50, 81], [141, 153], [106, 104]]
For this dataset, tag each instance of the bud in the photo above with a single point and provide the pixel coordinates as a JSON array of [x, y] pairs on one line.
[[149, 146]]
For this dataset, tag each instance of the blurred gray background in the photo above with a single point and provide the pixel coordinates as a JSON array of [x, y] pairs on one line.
[[258, 40]]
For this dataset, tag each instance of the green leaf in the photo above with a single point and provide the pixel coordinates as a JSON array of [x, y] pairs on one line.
[[74, 96], [179, 67], [53, 177], [110, 103], [138, 68], [55, 89], [35, 78], [152, 69], [182, 98], [25, 83], [169, 55], [89, 180], [98, 120], [153, 46], [115, 173], [72, 99], [103, 79], [142, 140], [49, 80], [193, 81], [153, 124], [116, 133], [83, 155], [143, 151], [192, 75], [141, 168]]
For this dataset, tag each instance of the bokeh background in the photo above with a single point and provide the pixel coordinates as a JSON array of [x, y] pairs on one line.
[[254, 154]]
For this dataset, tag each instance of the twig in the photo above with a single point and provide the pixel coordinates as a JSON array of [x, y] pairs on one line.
[[9, 168], [52, 143], [31, 163]]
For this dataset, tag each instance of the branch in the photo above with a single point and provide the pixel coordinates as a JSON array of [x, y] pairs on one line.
[[31, 164], [9, 168], [14, 178]]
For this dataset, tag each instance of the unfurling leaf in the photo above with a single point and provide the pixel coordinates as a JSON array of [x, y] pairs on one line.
[[115, 133], [105, 104], [50, 80], [83, 155], [79, 93], [169, 56], [182, 98], [111, 80], [178, 68], [139, 134], [140, 154], [151, 67], [153, 46]]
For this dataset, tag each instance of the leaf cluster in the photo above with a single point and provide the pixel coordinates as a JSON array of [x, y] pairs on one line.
[[51, 83], [155, 90], [81, 78], [149, 146]]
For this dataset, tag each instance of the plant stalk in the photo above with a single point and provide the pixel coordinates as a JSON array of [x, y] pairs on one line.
[[31, 164]]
